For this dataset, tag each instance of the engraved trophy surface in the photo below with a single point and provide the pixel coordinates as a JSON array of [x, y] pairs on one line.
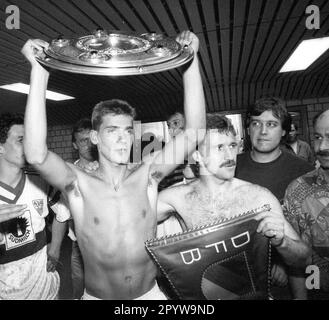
[[116, 53]]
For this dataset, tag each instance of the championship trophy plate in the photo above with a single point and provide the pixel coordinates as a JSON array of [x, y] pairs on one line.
[[227, 260], [116, 53]]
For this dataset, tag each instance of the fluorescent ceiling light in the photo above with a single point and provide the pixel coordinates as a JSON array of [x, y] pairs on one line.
[[305, 54], [25, 88]]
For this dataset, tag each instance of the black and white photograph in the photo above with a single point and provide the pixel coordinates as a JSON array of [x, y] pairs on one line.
[[158, 150]]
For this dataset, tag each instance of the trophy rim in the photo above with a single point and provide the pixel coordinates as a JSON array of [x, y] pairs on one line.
[[138, 61]]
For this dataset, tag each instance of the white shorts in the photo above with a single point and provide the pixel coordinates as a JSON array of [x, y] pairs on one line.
[[28, 279], [154, 294]]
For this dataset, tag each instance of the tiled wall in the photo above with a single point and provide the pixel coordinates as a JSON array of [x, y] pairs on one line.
[[60, 142]]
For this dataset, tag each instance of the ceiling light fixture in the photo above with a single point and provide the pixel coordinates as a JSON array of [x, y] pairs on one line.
[[25, 88], [305, 54]]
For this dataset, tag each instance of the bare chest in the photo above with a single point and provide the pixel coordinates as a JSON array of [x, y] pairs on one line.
[[103, 210], [205, 208]]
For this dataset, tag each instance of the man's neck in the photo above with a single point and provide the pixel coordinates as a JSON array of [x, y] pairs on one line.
[[326, 173], [82, 162], [292, 143], [212, 183], [112, 173], [261, 157], [10, 174], [293, 146]]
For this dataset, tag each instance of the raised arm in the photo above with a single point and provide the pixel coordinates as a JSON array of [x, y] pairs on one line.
[[178, 148], [50, 165]]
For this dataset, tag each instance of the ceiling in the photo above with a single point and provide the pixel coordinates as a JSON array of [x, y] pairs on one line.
[[243, 44]]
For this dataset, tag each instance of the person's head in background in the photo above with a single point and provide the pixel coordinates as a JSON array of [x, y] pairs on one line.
[[11, 140], [176, 124], [293, 134], [267, 122], [321, 139], [81, 139]]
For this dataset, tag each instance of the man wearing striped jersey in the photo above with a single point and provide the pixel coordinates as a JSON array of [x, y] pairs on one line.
[[23, 245]]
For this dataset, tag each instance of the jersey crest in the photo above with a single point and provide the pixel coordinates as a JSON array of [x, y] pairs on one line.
[[38, 205]]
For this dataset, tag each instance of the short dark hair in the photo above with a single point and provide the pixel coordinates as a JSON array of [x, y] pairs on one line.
[[173, 114], [7, 120], [317, 116], [274, 104], [81, 125], [220, 123], [115, 107]]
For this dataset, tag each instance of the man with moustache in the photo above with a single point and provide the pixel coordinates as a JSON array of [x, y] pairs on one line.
[[307, 209], [216, 194], [267, 122]]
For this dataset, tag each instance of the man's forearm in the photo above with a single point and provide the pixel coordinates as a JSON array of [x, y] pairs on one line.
[[294, 252], [298, 288], [194, 102], [35, 117], [58, 230]]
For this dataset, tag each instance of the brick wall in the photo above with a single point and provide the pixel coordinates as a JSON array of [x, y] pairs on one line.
[[60, 142]]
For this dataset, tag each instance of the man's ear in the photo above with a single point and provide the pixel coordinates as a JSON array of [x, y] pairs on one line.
[[283, 133], [94, 137], [197, 157], [75, 146], [2, 149], [240, 143]]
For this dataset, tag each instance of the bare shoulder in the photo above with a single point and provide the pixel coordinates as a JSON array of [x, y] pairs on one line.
[[256, 194], [191, 191], [178, 191], [83, 177], [136, 168], [251, 188], [79, 171]]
